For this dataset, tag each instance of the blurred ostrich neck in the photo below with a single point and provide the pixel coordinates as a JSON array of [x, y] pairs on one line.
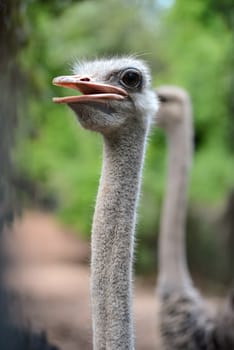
[[174, 274], [113, 238]]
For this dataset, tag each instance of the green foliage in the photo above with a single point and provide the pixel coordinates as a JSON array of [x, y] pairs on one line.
[[52, 156], [69, 169], [196, 56], [187, 44]]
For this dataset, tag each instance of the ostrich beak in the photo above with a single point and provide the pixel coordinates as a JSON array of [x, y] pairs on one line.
[[91, 90]]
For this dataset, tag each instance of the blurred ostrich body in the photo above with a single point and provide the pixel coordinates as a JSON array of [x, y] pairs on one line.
[[118, 103], [185, 323]]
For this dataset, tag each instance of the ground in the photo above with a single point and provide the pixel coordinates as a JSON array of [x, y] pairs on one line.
[[51, 273]]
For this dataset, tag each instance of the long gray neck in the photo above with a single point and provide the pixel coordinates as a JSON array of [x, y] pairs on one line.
[[173, 274], [113, 239]]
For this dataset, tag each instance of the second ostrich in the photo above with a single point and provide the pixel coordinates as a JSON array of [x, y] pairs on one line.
[[116, 101], [185, 323]]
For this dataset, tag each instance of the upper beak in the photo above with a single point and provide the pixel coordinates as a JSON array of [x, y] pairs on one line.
[[91, 90]]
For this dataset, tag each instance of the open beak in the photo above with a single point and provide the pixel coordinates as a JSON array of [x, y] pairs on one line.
[[90, 90]]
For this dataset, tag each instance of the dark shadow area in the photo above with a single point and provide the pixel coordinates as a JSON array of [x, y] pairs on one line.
[[15, 334]]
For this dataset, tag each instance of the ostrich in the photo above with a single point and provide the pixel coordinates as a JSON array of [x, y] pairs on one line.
[[116, 101], [185, 322]]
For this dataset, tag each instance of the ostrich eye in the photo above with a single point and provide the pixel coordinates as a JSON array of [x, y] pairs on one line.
[[131, 78], [162, 98]]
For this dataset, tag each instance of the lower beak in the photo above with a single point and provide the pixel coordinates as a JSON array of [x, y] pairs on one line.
[[91, 90]]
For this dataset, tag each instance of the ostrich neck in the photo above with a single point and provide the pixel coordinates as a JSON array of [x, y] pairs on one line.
[[113, 239], [174, 275]]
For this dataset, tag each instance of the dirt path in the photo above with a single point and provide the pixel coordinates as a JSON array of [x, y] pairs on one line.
[[52, 275]]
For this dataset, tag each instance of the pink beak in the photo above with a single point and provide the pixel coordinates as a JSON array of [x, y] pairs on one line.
[[91, 91]]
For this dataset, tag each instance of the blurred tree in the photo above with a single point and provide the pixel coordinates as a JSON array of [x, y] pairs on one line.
[[11, 39], [225, 9], [14, 335], [206, 13]]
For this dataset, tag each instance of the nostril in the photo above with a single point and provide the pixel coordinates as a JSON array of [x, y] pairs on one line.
[[85, 79]]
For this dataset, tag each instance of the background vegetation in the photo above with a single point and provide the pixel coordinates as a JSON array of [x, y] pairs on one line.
[[190, 44]]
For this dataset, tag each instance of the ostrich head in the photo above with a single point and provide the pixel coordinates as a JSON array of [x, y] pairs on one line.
[[113, 91], [174, 106]]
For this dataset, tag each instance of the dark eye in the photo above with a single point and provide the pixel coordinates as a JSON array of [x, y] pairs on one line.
[[162, 98], [131, 78]]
